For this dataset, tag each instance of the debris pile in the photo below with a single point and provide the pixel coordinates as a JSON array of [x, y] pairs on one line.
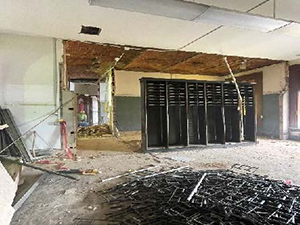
[[11, 134], [94, 131], [184, 196]]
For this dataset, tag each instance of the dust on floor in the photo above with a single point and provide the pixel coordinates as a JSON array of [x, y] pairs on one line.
[[127, 142], [59, 200]]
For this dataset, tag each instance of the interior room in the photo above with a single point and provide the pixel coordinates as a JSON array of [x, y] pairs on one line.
[[149, 112]]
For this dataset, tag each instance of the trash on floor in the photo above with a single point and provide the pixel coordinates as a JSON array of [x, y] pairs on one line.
[[94, 131], [183, 196], [79, 171]]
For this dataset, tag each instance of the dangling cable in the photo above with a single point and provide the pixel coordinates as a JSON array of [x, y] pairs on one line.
[[240, 99]]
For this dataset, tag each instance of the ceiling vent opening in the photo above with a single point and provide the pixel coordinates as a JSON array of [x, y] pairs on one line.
[[90, 30]]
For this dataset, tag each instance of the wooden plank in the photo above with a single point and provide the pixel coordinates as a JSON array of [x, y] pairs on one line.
[[187, 114], [223, 138], [258, 88], [255, 115], [144, 116], [14, 134], [21, 200], [198, 120], [179, 115], [294, 88], [167, 115], [205, 110]]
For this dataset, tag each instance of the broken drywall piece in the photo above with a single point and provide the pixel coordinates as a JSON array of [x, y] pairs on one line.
[[8, 190]]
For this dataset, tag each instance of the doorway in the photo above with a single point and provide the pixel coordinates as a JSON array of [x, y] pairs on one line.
[[91, 109], [294, 102], [256, 78]]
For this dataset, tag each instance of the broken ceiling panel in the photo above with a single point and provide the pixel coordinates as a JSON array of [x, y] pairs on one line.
[[209, 64], [88, 60], [156, 61]]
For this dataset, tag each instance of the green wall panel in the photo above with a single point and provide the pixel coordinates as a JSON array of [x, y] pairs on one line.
[[128, 113]]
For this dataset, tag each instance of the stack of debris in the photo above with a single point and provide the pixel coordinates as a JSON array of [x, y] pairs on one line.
[[9, 134], [94, 131], [184, 196]]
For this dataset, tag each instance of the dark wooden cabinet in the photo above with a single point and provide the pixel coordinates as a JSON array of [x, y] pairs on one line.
[[187, 112]]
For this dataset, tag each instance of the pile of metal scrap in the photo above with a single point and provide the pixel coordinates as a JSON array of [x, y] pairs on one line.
[[202, 197], [11, 133], [94, 131]]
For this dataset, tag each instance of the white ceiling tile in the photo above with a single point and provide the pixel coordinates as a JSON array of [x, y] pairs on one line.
[[265, 9], [233, 41], [63, 19], [288, 9], [239, 5], [240, 20]]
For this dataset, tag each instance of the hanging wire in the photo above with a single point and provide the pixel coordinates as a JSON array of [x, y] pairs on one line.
[[240, 105]]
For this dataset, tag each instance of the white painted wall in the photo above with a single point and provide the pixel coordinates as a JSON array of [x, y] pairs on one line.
[[86, 88], [128, 83], [275, 82], [28, 79], [294, 62], [274, 78]]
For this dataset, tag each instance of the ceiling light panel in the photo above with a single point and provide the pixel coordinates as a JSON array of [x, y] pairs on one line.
[[166, 8], [240, 20]]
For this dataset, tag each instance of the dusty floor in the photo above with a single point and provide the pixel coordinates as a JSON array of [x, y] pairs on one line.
[[59, 200], [127, 141]]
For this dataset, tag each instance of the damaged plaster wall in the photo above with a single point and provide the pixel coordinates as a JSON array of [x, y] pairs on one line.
[[275, 100], [28, 74], [128, 100]]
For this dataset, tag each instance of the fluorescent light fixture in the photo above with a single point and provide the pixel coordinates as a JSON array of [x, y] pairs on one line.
[[240, 20], [194, 12], [167, 8]]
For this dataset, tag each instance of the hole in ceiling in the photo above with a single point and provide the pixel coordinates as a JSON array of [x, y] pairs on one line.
[[90, 30]]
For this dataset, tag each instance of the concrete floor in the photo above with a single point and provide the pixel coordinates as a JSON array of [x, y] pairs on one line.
[[59, 200]]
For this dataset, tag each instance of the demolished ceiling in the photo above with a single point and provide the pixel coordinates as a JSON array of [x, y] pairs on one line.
[[90, 60]]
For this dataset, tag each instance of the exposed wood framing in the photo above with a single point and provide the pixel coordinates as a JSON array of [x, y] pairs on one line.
[[88, 60]]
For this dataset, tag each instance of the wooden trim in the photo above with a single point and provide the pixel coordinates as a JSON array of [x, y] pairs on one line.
[[187, 114], [258, 90], [144, 117], [167, 116], [294, 88], [205, 114]]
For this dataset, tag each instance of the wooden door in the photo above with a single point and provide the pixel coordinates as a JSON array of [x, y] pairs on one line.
[[258, 90], [294, 88]]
